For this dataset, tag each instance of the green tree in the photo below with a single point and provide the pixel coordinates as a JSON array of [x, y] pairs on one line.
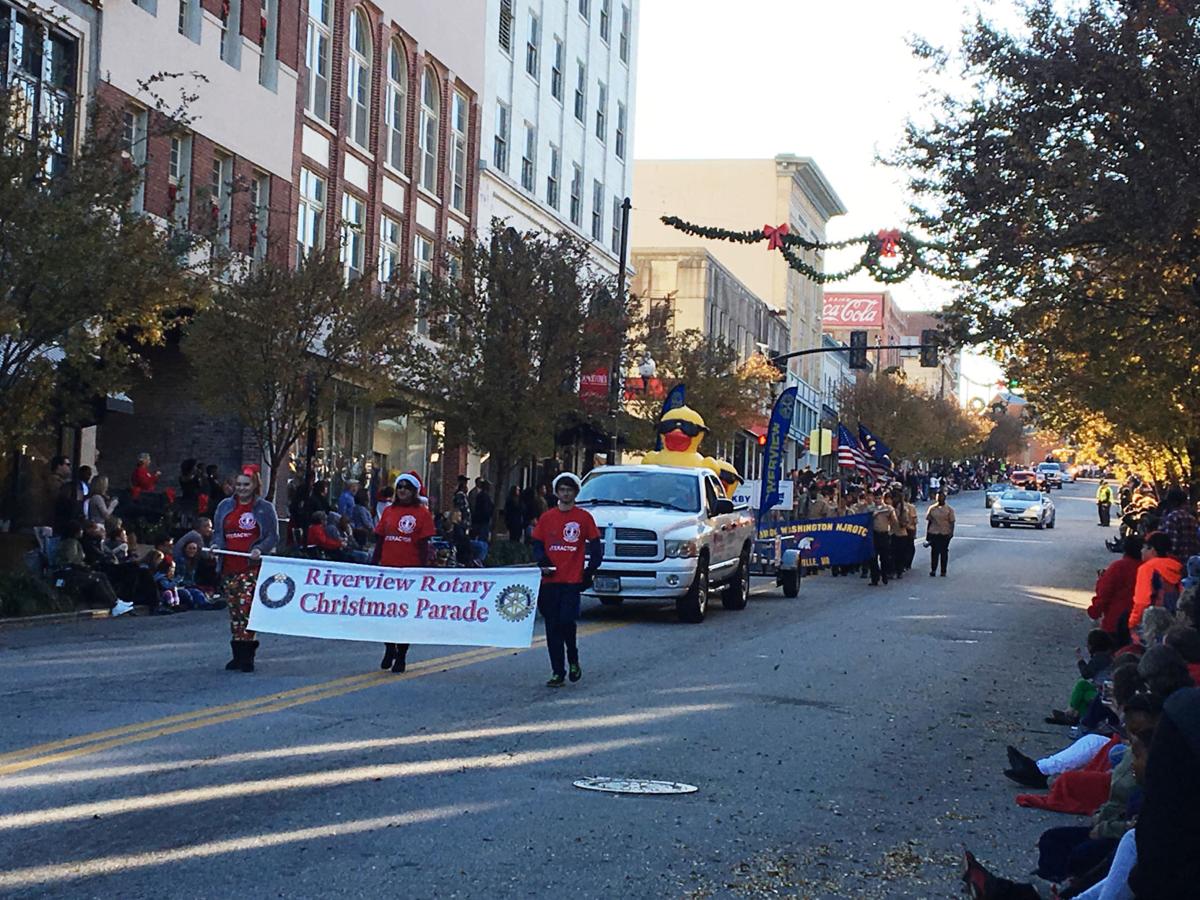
[[914, 424], [1061, 172], [271, 347]]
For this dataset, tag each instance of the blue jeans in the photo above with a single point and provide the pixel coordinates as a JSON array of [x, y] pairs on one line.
[[481, 551]]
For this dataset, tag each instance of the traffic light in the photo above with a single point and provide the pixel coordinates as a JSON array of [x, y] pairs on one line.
[[762, 440], [858, 349], [929, 349]]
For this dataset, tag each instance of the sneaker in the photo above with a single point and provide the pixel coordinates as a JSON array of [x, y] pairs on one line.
[[120, 608], [556, 681], [574, 672]]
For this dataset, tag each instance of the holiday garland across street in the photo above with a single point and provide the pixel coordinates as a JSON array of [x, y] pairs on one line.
[[905, 253]]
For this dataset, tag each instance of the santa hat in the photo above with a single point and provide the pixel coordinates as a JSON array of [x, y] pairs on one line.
[[409, 478]]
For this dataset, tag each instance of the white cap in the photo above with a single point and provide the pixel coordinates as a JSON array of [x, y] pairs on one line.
[[568, 476], [410, 480]]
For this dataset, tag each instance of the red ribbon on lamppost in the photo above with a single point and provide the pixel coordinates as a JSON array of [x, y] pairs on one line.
[[889, 242], [775, 235]]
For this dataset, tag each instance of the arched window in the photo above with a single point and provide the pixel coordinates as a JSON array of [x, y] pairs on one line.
[[395, 111], [317, 57], [358, 78], [431, 110]]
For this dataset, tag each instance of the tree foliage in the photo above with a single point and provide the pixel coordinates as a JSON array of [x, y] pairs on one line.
[[276, 346], [914, 424], [1062, 169]]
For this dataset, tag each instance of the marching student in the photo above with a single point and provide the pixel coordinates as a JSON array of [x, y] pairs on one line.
[[244, 523], [566, 545], [403, 533], [939, 530]]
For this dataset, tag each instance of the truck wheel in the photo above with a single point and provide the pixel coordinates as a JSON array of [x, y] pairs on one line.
[[692, 606], [790, 579], [612, 601], [737, 593]]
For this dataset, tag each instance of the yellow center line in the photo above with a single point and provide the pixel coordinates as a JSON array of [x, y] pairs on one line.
[[83, 745]]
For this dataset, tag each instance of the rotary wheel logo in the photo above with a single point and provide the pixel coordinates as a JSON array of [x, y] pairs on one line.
[[269, 587], [515, 603]]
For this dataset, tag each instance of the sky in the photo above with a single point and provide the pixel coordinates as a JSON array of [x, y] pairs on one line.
[[835, 81]]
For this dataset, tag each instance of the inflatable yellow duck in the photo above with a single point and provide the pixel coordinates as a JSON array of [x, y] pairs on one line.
[[682, 430], [730, 479]]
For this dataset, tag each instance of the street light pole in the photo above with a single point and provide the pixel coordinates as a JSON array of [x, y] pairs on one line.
[[614, 380]]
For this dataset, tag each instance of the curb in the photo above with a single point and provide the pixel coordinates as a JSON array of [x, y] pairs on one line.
[[82, 615]]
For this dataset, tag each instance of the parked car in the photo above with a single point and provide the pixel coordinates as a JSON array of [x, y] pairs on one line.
[[669, 533], [1021, 507]]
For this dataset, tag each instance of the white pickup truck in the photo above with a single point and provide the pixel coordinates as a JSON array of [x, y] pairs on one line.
[[669, 534]]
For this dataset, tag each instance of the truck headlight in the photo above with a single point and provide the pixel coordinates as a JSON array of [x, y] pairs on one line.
[[682, 549]]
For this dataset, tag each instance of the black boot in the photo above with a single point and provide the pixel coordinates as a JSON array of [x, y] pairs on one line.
[[248, 650], [236, 661], [401, 657], [389, 656]]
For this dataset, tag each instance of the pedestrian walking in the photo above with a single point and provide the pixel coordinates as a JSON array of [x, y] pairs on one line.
[[514, 514], [245, 523], [939, 529], [566, 546], [402, 542], [883, 525], [1104, 499]]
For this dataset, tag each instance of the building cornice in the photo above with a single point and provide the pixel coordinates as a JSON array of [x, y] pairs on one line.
[[813, 182]]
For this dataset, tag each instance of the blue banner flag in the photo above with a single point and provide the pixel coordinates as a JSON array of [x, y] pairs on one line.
[[844, 541], [675, 399], [777, 432], [877, 448]]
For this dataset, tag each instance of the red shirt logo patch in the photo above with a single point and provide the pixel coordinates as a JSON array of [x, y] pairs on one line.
[[407, 524], [246, 521], [571, 532]]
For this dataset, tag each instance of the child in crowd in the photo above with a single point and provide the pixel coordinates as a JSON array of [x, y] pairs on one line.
[[1092, 673]]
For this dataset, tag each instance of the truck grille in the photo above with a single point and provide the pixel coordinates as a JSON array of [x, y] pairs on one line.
[[637, 551], [636, 534]]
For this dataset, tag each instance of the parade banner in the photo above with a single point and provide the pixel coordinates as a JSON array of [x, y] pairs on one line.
[[749, 492], [844, 541], [772, 467], [350, 602]]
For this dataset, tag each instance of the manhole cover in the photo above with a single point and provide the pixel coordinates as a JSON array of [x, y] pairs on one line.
[[634, 786]]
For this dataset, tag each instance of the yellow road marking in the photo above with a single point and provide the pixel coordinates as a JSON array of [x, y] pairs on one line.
[[43, 754]]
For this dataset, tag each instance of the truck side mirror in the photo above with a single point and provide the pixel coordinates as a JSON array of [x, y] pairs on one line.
[[722, 506]]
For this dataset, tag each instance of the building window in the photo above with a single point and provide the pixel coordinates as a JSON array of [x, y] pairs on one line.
[[459, 114], [616, 225], [220, 197], [529, 160], [179, 180], [354, 235], [602, 111], [38, 74], [231, 44], [423, 273], [395, 111], [605, 20], [310, 223], [533, 47], [580, 89], [133, 147], [585, 8], [622, 116], [317, 55], [188, 19], [576, 194], [500, 147], [389, 248], [358, 79], [506, 23], [556, 70], [597, 210], [260, 214], [431, 112], [268, 61], [626, 25], [553, 176]]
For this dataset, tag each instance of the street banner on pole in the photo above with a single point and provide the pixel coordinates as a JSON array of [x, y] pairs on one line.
[[844, 541], [749, 492], [777, 432], [676, 398], [346, 601]]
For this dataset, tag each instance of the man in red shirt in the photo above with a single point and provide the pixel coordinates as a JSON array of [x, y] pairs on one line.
[[402, 541], [567, 547]]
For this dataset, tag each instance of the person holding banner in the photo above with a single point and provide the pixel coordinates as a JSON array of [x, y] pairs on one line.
[[939, 530], [244, 524], [567, 548], [403, 533]]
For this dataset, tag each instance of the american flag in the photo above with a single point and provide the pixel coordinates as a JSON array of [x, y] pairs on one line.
[[850, 455]]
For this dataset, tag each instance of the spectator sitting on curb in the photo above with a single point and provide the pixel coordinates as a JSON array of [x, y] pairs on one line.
[[73, 573], [194, 572]]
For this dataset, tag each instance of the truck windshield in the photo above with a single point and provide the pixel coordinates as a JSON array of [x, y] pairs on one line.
[[659, 489]]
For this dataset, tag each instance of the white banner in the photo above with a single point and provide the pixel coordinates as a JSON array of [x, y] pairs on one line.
[[344, 601], [748, 493]]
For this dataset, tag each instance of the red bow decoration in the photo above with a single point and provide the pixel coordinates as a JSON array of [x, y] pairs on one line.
[[889, 242], [252, 469], [775, 235], [202, 502]]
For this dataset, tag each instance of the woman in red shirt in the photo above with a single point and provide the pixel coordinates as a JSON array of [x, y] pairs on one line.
[[142, 479], [402, 542], [244, 523]]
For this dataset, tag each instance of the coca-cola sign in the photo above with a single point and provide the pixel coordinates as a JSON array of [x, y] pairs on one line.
[[853, 311]]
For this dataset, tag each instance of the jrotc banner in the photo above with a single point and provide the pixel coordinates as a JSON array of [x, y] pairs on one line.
[[345, 601], [844, 541]]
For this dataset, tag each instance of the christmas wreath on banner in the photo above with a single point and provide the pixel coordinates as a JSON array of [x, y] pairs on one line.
[[888, 256]]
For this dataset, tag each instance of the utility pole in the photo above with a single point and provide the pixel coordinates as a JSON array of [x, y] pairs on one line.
[[614, 378]]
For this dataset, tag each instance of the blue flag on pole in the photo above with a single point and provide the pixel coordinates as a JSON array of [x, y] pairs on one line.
[[676, 398], [777, 432], [877, 448]]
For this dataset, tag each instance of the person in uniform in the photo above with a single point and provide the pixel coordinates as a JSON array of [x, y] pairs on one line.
[[939, 529], [883, 524]]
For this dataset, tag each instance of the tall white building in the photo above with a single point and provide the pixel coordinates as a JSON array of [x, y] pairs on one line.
[[557, 133]]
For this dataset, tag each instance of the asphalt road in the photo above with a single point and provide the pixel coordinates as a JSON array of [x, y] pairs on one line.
[[846, 743]]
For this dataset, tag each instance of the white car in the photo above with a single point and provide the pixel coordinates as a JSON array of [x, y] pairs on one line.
[[1051, 473], [1017, 507]]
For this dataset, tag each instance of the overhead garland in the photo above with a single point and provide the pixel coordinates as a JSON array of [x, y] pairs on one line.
[[905, 253]]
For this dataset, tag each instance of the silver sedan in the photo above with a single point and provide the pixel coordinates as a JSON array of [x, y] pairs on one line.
[[1017, 507], [993, 492]]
